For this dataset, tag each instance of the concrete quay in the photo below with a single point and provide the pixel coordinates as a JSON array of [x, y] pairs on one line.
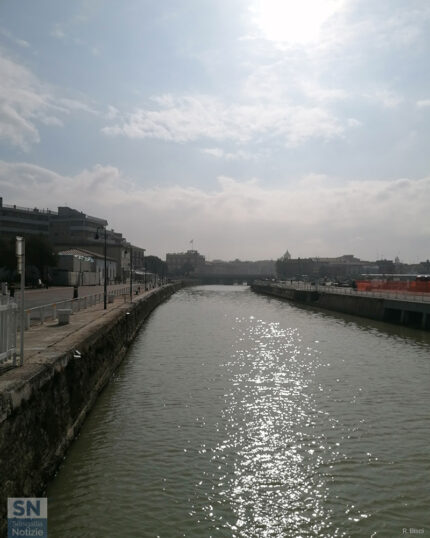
[[44, 403], [403, 309]]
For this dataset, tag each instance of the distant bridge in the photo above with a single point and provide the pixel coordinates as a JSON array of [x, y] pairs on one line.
[[229, 278]]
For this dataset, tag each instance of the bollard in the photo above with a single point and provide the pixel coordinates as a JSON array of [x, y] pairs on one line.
[[54, 311], [64, 316]]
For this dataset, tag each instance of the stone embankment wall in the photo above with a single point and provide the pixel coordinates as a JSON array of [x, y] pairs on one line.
[[348, 304], [405, 312], [42, 406], [368, 307]]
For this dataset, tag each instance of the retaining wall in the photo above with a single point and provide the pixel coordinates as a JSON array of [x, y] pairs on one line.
[[414, 314], [42, 406], [369, 307]]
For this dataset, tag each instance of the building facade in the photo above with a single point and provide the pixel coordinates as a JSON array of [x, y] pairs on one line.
[[15, 220], [184, 263], [69, 229], [341, 267], [263, 268], [77, 267]]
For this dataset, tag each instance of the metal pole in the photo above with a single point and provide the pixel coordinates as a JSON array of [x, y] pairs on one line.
[[131, 274], [22, 305], [105, 280], [20, 252], [144, 268]]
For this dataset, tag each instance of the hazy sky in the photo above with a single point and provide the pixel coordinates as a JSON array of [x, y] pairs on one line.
[[250, 126]]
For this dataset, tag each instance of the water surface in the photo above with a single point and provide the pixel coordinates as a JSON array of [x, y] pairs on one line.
[[240, 415]]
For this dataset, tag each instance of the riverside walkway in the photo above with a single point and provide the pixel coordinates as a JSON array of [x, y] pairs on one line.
[[379, 294], [44, 340]]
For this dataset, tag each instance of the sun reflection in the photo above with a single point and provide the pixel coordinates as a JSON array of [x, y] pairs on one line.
[[271, 449]]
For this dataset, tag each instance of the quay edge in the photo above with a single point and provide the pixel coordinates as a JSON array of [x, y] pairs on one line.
[[43, 405], [410, 313]]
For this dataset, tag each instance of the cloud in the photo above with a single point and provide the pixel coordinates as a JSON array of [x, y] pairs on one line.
[[316, 215], [189, 118], [239, 155], [25, 101], [215, 152], [112, 113], [13, 39], [353, 122], [68, 105], [22, 100], [58, 32], [387, 98], [424, 103]]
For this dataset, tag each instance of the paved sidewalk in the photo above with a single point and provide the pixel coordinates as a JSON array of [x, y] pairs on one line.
[[42, 341]]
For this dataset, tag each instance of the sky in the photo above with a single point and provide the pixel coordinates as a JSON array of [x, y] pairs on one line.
[[251, 127]]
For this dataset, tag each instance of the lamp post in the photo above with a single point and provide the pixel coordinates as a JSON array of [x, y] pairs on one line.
[[20, 254], [131, 274], [144, 269], [105, 270]]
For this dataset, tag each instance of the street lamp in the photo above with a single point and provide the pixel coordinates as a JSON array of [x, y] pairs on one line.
[[20, 254], [80, 272], [131, 274], [144, 268], [105, 265]]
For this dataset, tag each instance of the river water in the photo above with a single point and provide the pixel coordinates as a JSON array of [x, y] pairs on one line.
[[239, 415]]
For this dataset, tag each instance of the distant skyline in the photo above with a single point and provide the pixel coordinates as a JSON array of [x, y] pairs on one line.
[[250, 126]]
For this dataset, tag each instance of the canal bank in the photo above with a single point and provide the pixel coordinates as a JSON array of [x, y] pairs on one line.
[[44, 403], [393, 309]]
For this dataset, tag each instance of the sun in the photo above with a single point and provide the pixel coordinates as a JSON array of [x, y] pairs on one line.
[[293, 21]]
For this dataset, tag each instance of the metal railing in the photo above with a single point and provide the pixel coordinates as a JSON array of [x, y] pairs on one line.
[[8, 329], [398, 295], [48, 312], [31, 209]]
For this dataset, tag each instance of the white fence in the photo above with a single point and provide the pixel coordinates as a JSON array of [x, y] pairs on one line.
[[9, 317], [8, 326], [398, 295], [49, 311]]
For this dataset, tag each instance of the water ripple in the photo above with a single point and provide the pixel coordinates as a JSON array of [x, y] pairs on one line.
[[242, 416]]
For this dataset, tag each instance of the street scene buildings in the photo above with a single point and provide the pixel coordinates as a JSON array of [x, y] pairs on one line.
[[79, 240]]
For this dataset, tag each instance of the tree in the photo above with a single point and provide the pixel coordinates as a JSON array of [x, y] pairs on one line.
[[40, 253], [39, 256], [7, 259], [7, 253], [155, 265]]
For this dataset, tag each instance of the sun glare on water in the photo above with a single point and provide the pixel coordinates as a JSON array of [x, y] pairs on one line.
[[293, 21]]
